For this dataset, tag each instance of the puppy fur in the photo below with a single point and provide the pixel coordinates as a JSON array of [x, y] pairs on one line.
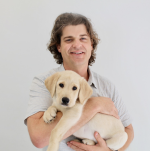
[[70, 92]]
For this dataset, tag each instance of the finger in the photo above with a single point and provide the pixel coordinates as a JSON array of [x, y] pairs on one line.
[[74, 147], [98, 138], [80, 145]]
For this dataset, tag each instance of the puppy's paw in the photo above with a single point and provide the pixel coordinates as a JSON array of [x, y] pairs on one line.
[[77, 140], [88, 142], [50, 114]]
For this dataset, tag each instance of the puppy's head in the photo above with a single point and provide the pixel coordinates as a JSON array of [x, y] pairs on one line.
[[68, 87]]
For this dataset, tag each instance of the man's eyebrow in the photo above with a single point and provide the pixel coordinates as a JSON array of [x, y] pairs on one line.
[[84, 35], [72, 36], [67, 37]]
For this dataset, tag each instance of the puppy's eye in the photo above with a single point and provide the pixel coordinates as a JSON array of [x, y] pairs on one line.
[[74, 88], [61, 85]]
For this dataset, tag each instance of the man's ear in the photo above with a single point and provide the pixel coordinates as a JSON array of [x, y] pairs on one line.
[[85, 91], [51, 81], [58, 48]]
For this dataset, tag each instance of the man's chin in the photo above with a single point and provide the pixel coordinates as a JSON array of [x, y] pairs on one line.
[[79, 62]]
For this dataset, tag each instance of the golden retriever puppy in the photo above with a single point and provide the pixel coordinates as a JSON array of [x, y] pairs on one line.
[[70, 92]]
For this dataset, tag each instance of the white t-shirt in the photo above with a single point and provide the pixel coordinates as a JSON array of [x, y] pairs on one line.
[[40, 98]]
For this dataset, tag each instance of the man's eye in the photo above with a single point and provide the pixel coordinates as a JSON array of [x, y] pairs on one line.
[[74, 88], [83, 38], [61, 85], [68, 40]]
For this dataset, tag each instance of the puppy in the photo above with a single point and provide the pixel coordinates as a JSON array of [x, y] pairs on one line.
[[70, 92]]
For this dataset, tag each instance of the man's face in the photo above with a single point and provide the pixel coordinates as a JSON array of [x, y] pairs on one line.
[[75, 46]]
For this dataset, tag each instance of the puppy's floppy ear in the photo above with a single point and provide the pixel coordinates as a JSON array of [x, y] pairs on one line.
[[51, 81], [85, 91]]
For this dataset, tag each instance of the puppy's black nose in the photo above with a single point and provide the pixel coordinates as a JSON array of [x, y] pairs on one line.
[[65, 100]]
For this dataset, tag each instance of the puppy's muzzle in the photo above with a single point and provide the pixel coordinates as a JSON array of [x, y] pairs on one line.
[[65, 101]]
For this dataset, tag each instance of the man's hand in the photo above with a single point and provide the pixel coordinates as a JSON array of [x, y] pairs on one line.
[[100, 146], [105, 105]]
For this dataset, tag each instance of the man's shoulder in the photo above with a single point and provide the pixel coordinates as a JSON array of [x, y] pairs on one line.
[[47, 74]]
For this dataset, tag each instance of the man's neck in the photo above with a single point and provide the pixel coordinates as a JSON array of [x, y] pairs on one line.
[[81, 70]]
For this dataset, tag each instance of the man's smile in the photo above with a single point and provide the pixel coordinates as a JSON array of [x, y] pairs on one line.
[[77, 53]]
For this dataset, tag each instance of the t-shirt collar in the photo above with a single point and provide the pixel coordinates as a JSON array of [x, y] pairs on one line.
[[91, 80]]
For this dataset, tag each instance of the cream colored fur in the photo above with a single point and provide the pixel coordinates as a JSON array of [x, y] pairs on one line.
[[110, 128]]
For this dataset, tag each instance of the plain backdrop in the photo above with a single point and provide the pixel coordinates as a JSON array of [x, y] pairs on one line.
[[123, 56]]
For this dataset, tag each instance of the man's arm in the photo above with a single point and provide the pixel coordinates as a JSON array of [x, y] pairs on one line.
[[94, 105], [130, 132], [101, 144], [40, 132], [129, 129]]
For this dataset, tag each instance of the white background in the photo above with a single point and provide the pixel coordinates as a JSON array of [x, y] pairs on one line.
[[122, 56]]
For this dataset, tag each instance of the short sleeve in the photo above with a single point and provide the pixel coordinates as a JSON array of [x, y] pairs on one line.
[[124, 115], [40, 98]]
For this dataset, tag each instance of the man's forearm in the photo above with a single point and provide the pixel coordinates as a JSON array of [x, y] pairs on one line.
[[130, 132], [40, 131]]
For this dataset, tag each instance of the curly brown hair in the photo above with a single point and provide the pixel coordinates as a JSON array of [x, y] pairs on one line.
[[64, 20]]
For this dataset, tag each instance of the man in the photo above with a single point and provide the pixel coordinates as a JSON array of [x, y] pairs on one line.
[[73, 43]]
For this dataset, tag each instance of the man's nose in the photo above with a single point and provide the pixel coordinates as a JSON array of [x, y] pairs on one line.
[[77, 44]]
